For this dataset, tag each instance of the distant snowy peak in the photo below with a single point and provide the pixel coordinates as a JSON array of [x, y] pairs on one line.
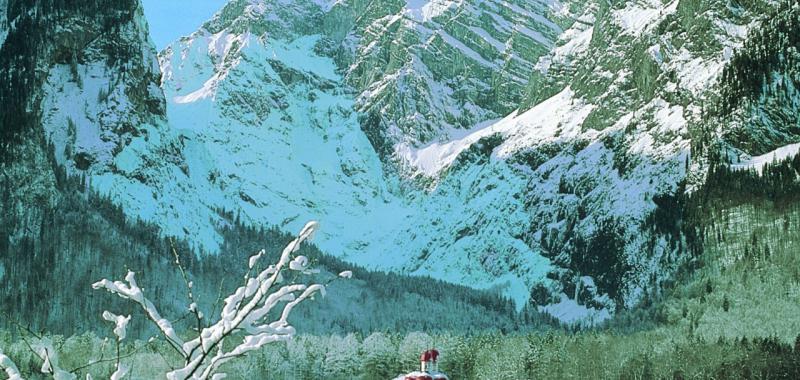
[[444, 75], [221, 50], [239, 20], [215, 49], [427, 10]]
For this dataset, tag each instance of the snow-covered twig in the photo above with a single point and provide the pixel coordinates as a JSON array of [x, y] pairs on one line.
[[10, 368], [244, 312], [120, 372], [132, 292], [121, 325], [346, 274], [49, 356], [198, 315]]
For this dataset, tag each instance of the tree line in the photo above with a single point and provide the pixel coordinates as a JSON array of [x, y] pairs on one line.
[[50, 266]]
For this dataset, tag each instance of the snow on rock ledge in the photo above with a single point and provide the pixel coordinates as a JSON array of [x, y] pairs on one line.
[[758, 163]]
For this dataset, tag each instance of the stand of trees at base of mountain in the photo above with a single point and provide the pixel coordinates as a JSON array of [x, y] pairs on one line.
[[646, 355], [776, 186], [688, 215], [85, 237], [732, 315]]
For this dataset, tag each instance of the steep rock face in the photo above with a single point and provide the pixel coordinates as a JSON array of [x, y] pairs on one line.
[[269, 129], [101, 92], [424, 69], [59, 58]]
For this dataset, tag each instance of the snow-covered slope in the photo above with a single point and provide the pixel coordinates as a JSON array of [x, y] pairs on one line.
[[275, 137], [758, 163], [521, 146], [269, 128], [607, 134]]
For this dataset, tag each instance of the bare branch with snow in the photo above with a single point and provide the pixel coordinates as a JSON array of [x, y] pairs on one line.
[[10, 368], [47, 353], [132, 292], [244, 313]]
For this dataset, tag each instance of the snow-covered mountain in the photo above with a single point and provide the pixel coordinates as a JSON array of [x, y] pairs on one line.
[[530, 147], [272, 127]]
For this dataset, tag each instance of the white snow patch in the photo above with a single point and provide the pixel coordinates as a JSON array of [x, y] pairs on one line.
[[759, 162], [558, 117], [346, 274], [426, 10], [436, 156], [207, 91], [570, 312], [695, 73], [639, 16]]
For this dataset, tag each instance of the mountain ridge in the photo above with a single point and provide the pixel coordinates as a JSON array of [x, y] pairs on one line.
[[341, 112]]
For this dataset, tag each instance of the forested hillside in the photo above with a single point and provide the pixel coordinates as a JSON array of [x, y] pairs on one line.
[[757, 106], [84, 238]]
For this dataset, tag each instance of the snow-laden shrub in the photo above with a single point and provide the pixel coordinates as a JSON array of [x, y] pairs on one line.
[[246, 314]]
